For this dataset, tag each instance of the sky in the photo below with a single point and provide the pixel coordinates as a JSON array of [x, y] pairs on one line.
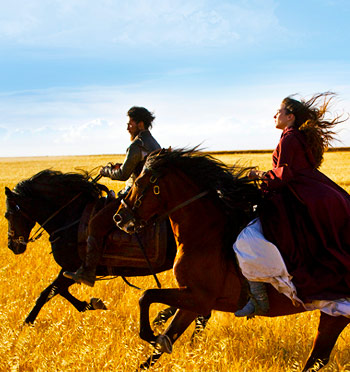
[[213, 71]]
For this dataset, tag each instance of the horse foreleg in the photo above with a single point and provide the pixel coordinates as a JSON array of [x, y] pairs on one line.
[[164, 315], [151, 361], [176, 297], [329, 329], [165, 341], [201, 323], [60, 286], [63, 285], [45, 296], [177, 327]]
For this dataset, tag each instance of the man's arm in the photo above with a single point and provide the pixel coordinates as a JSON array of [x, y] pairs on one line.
[[123, 173]]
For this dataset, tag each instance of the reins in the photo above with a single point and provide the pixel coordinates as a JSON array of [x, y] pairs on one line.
[[184, 204], [156, 191], [66, 227], [38, 233], [147, 260]]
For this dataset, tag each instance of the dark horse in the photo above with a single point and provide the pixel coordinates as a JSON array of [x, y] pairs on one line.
[[204, 199], [57, 201]]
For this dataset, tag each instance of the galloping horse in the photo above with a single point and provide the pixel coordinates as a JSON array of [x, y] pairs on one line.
[[57, 201], [204, 199]]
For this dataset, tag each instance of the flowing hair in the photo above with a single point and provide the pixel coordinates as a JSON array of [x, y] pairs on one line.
[[310, 120]]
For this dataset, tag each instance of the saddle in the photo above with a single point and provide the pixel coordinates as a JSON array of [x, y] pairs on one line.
[[122, 249]]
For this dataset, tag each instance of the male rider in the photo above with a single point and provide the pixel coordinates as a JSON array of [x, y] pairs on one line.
[[143, 143]]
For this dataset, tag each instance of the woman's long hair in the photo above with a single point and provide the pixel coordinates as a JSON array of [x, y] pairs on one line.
[[310, 120]]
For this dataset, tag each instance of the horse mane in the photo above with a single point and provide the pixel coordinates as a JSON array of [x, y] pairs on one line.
[[228, 185], [61, 185]]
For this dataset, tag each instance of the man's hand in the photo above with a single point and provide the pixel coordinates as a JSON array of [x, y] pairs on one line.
[[107, 170]]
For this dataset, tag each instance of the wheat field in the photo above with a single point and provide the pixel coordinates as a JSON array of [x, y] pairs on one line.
[[63, 339]]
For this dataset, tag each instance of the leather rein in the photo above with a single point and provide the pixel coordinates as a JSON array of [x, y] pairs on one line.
[[137, 204]]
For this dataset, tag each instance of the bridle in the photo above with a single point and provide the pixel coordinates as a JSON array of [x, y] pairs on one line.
[[132, 211], [39, 232], [11, 233]]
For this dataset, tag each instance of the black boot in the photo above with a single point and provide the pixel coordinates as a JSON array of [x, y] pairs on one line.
[[87, 271], [258, 304]]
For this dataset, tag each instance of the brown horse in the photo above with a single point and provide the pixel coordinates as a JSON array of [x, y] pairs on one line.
[[204, 199]]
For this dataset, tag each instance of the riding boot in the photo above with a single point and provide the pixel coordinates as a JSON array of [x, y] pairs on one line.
[[258, 303], [87, 271]]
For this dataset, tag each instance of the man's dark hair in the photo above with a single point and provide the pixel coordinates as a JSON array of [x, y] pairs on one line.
[[141, 114]]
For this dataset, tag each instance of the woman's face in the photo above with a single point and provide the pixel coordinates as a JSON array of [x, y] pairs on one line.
[[283, 119]]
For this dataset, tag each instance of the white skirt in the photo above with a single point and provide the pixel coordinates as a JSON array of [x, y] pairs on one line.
[[261, 261]]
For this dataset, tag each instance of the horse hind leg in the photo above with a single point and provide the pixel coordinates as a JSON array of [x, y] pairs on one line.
[[329, 329]]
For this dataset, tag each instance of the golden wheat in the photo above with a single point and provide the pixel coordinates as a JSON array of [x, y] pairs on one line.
[[63, 339]]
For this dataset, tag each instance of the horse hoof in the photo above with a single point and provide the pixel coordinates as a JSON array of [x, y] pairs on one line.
[[164, 344], [97, 304]]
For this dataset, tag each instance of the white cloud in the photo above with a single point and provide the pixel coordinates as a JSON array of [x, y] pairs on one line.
[[78, 133], [145, 23]]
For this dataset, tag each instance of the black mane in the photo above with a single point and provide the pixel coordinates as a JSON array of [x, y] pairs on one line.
[[229, 185], [59, 185]]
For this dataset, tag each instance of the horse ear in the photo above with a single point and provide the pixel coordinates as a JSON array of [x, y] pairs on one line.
[[8, 192], [163, 151]]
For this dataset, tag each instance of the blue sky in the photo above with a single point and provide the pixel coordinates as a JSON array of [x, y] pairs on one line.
[[213, 71]]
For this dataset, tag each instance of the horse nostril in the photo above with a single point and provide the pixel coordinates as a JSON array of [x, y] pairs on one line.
[[117, 218], [130, 229]]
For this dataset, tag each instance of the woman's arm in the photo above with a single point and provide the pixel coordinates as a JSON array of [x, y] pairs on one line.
[[283, 173]]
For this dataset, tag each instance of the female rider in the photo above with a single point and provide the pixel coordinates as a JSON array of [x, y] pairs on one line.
[[304, 213]]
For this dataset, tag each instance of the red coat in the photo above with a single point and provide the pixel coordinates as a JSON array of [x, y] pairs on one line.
[[307, 216]]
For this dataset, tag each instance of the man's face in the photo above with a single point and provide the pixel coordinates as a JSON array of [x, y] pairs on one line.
[[134, 128]]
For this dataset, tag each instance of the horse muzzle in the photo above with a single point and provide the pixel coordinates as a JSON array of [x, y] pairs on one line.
[[127, 222], [17, 246]]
